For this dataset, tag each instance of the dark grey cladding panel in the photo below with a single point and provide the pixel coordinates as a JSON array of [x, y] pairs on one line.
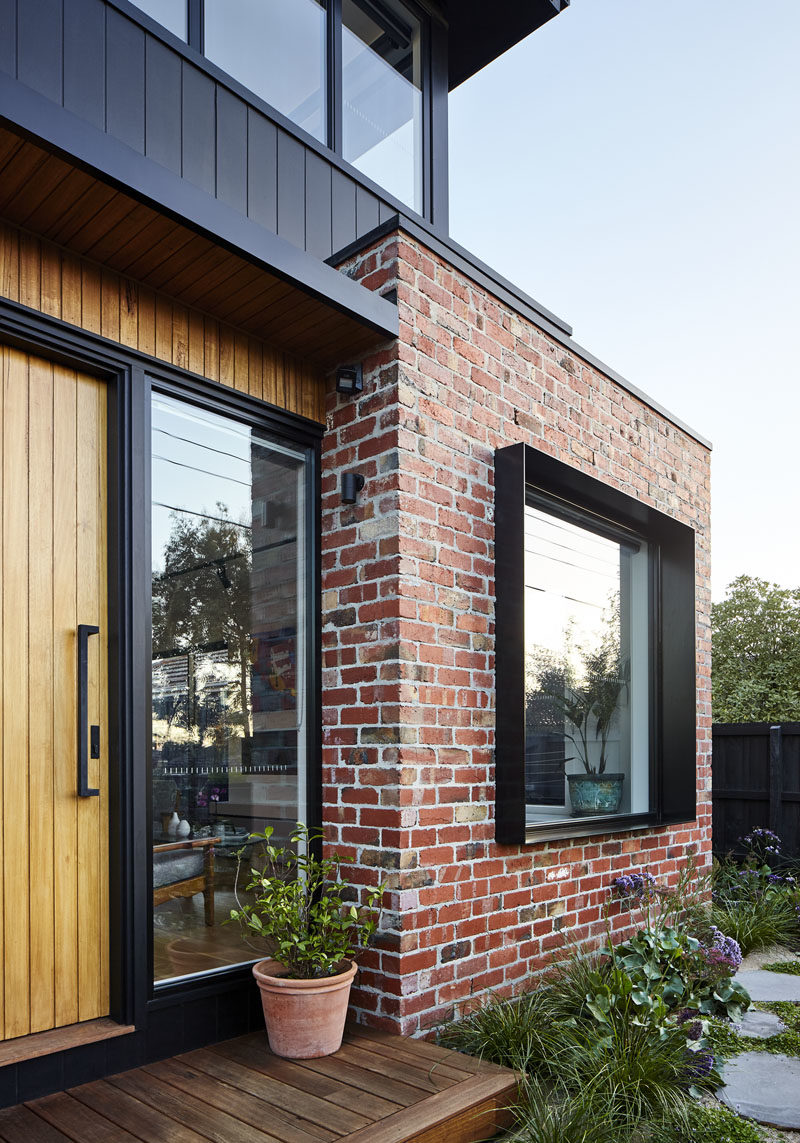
[[343, 210], [115, 68], [85, 61], [367, 211], [124, 79], [8, 36], [262, 170], [318, 206], [198, 128], [231, 150], [39, 40], [163, 105], [291, 189]]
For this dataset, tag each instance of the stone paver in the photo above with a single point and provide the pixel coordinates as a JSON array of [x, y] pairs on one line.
[[770, 985], [763, 1087], [760, 1025]]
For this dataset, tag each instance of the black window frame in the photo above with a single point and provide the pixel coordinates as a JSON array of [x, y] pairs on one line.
[[431, 41], [158, 378], [519, 469]]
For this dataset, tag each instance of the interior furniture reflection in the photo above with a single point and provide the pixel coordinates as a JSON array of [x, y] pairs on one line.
[[183, 868]]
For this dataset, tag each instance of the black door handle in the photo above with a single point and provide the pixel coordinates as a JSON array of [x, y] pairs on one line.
[[86, 735]]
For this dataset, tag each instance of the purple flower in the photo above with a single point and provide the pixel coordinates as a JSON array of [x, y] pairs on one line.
[[686, 1014], [761, 835], [728, 947], [694, 1031], [777, 879], [641, 886], [701, 1064]]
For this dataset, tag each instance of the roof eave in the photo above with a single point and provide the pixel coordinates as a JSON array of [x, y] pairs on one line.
[[480, 32]]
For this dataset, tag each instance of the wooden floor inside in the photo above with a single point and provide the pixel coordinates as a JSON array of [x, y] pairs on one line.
[[378, 1088]]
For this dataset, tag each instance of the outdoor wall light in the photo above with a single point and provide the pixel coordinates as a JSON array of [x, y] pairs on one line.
[[352, 483], [349, 379]]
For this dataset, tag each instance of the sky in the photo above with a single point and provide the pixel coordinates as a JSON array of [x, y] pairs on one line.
[[635, 166]]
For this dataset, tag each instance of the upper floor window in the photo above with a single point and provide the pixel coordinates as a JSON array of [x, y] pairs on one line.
[[277, 49], [173, 14], [349, 72], [382, 96]]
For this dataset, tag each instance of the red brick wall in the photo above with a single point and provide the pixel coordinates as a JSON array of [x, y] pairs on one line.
[[408, 646]]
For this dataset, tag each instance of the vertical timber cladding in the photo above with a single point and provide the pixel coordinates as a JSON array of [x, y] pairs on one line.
[[53, 568], [47, 278]]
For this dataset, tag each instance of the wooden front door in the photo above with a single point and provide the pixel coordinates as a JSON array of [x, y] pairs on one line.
[[54, 847]]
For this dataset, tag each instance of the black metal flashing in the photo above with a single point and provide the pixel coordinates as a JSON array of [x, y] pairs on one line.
[[671, 640], [505, 291], [480, 32], [106, 157]]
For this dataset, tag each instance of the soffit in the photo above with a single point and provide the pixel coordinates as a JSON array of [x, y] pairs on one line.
[[480, 32], [45, 194]]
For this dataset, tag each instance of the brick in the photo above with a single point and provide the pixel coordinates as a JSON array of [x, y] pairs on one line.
[[408, 640]]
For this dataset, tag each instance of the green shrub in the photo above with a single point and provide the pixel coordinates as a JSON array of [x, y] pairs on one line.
[[719, 1125], [515, 1033], [750, 902], [555, 1115], [755, 914], [301, 905], [569, 984], [724, 1041], [792, 967], [671, 969]]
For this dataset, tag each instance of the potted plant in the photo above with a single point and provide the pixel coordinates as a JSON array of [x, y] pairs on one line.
[[590, 706], [302, 907]]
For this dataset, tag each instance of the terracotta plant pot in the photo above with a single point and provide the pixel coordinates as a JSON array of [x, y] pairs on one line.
[[304, 1018]]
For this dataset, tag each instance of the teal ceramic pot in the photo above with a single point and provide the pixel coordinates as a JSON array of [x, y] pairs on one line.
[[592, 794]]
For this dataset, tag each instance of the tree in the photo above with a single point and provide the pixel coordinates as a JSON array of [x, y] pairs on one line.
[[755, 670], [201, 603]]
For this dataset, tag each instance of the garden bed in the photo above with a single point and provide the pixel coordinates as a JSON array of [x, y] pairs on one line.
[[624, 1044]]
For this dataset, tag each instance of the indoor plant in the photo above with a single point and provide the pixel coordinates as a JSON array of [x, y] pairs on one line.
[[301, 906], [590, 707]]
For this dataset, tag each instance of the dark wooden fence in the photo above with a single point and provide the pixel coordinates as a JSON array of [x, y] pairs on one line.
[[756, 775]]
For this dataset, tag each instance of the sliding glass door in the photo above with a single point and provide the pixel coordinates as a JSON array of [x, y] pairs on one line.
[[230, 568]]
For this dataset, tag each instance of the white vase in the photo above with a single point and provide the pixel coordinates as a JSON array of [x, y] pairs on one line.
[[184, 829], [172, 825]]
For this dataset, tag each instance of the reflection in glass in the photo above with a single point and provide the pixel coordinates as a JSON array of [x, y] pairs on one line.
[[586, 657], [171, 14], [228, 669], [382, 95], [276, 48]]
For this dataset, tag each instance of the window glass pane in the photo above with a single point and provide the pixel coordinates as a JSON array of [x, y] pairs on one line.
[[171, 14], [382, 95], [586, 671], [229, 710], [277, 49]]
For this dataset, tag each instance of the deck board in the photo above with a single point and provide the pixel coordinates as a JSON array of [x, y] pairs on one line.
[[379, 1088]]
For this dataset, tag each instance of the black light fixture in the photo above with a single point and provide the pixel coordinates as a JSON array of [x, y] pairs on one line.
[[349, 379], [352, 483]]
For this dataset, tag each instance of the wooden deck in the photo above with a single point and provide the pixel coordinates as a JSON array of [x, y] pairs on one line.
[[378, 1088]]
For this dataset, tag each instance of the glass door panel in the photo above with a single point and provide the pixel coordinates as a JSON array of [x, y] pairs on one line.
[[228, 700]]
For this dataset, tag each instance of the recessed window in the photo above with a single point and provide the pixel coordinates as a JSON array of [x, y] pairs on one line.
[[277, 50], [382, 95], [595, 655], [586, 668]]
